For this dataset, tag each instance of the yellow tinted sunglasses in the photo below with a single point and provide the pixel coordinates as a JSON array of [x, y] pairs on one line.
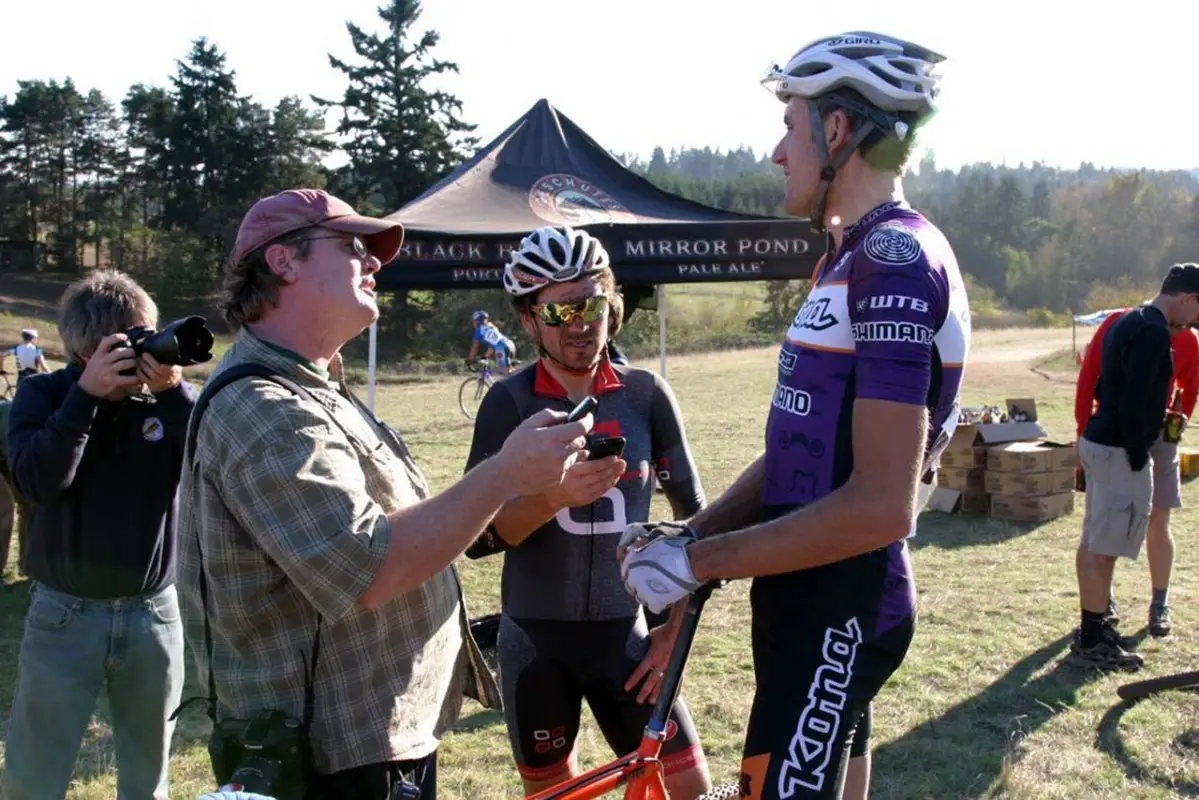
[[559, 314]]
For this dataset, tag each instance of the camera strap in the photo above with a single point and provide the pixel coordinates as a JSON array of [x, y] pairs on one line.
[[234, 373]]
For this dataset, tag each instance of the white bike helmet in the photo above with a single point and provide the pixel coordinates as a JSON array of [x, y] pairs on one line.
[[895, 78], [552, 255], [891, 74]]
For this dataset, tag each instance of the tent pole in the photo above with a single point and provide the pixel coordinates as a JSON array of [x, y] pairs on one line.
[[662, 330], [370, 366]]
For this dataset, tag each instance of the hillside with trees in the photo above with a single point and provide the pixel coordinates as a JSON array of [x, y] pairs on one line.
[[155, 183], [1029, 237]]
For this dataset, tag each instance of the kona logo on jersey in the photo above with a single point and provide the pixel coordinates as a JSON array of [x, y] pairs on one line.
[[881, 301], [793, 401], [787, 361], [892, 332], [812, 746], [814, 315]]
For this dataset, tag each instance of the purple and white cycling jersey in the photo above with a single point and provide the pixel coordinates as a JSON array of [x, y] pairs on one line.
[[887, 318]]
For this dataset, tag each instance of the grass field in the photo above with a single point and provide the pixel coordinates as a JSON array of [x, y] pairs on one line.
[[985, 706]]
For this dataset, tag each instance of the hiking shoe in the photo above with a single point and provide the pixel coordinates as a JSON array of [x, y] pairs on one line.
[[1126, 642], [1111, 617], [1159, 620], [1106, 654]]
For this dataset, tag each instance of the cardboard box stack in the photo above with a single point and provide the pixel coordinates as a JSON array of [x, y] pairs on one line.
[[1006, 469]]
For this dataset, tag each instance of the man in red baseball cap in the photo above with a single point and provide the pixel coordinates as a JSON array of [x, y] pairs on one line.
[[314, 248], [295, 209], [309, 539]]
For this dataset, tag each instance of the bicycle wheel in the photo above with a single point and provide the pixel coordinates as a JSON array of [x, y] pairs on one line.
[[1140, 689], [470, 394]]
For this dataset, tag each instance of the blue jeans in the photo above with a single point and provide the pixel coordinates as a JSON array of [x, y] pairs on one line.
[[72, 647]]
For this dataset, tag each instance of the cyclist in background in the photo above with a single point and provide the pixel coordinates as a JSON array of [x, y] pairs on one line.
[[867, 396], [496, 342], [568, 630], [1167, 479], [29, 357]]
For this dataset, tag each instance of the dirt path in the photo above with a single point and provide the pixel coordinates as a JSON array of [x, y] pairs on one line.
[[1023, 346], [1015, 347]]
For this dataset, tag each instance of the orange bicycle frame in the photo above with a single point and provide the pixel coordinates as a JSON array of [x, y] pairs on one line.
[[640, 772]]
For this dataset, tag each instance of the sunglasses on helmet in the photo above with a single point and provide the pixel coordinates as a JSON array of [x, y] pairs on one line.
[[559, 314]]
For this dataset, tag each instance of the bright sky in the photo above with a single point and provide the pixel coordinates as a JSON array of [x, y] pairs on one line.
[[1061, 81]]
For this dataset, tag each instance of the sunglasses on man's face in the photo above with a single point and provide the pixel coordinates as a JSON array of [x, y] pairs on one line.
[[559, 314], [356, 245]]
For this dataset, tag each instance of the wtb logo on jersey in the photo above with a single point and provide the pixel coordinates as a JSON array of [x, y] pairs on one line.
[[880, 302], [812, 746]]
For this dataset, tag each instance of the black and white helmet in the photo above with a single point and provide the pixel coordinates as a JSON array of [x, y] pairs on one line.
[[552, 255], [892, 74]]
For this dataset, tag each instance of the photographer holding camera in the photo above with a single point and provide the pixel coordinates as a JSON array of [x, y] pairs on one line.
[[316, 568], [97, 448]]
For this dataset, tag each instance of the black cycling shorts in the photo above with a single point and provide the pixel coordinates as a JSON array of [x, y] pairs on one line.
[[548, 667], [817, 671]]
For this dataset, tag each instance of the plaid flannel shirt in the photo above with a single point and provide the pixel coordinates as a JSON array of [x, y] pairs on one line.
[[292, 519]]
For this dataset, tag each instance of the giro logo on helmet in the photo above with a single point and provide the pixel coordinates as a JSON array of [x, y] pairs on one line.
[[843, 40], [564, 199], [528, 277]]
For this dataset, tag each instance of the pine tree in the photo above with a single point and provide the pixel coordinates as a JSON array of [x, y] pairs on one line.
[[399, 135]]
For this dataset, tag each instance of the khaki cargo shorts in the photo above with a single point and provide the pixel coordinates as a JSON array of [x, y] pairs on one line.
[[1118, 500], [1167, 480]]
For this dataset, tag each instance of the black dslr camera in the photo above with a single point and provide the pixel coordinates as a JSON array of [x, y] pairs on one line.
[[267, 754], [184, 342]]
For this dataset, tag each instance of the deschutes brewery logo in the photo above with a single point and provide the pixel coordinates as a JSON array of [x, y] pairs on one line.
[[563, 199]]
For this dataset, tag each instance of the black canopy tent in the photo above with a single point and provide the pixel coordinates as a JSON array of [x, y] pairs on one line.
[[545, 170]]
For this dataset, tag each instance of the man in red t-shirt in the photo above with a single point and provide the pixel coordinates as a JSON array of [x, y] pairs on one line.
[[1167, 482]]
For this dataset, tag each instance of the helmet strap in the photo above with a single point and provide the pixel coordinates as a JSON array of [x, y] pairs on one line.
[[829, 166]]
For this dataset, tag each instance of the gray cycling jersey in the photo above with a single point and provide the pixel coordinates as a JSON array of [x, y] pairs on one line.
[[567, 569]]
